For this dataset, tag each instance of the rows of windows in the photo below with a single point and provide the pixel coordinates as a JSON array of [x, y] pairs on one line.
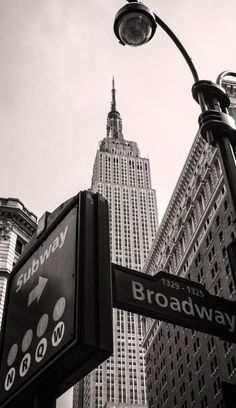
[[192, 213], [168, 341], [125, 183], [195, 363], [123, 171]]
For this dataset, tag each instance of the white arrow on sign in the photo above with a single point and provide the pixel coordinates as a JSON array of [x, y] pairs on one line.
[[37, 291]]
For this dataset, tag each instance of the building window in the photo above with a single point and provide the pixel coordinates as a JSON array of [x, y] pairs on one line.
[[211, 253], [217, 286], [200, 275], [227, 269], [182, 245], [180, 370], [204, 403], [231, 288], [216, 386], [218, 168], [191, 224], [186, 341], [227, 346], [182, 389], [224, 252], [192, 396], [196, 345], [179, 353], [198, 260], [213, 364], [201, 383], [208, 239], [19, 246], [199, 363], [229, 220], [226, 204], [201, 202], [210, 184], [231, 366], [210, 345]]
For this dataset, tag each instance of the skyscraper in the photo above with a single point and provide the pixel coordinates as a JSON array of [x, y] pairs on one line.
[[185, 368], [123, 178], [17, 225]]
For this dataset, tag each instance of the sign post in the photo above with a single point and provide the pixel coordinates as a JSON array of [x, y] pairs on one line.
[[174, 300], [58, 299]]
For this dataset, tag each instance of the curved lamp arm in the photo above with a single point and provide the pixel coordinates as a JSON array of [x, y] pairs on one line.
[[180, 46], [177, 42]]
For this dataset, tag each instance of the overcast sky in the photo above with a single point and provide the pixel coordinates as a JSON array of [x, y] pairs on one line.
[[57, 62]]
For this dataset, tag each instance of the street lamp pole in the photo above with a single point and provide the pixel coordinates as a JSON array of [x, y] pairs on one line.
[[218, 128], [135, 25]]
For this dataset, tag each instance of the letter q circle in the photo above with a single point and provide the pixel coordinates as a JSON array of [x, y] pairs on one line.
[[41, 350]]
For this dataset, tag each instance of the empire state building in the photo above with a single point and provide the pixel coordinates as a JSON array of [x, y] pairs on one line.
[[123, 178]]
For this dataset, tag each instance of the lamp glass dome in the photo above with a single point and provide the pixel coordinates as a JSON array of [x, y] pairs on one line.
[[135, 28]]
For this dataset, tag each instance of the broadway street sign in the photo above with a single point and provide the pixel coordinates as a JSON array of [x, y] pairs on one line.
[[174, 300]]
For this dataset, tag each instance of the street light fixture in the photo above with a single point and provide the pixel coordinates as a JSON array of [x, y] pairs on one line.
[[135, 25], [128, 24]]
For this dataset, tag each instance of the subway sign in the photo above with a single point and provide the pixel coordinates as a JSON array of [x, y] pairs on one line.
[[58, 299], [174, 300]]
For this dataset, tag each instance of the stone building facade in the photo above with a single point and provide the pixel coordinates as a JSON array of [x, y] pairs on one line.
[[184, 367], [17, 225]]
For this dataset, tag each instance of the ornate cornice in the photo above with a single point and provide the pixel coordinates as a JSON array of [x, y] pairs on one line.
[[13, 212]]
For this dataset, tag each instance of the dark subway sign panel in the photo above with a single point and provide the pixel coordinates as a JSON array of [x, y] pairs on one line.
[[58, 300]]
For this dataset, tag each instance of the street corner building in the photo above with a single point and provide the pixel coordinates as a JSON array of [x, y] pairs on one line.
[[184, 367], [17, 225], [123, 177]]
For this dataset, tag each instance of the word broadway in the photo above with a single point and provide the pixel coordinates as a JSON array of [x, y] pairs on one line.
[[188, 307], [175, 300]]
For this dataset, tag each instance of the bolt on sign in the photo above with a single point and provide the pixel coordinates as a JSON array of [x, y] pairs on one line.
[[58, 300], [174, 300]]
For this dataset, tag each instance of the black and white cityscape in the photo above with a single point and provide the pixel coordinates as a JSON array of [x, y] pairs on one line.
[[174, 337]]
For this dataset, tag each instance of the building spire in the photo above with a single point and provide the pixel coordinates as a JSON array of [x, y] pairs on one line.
[[113, 92], [114, 122]]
